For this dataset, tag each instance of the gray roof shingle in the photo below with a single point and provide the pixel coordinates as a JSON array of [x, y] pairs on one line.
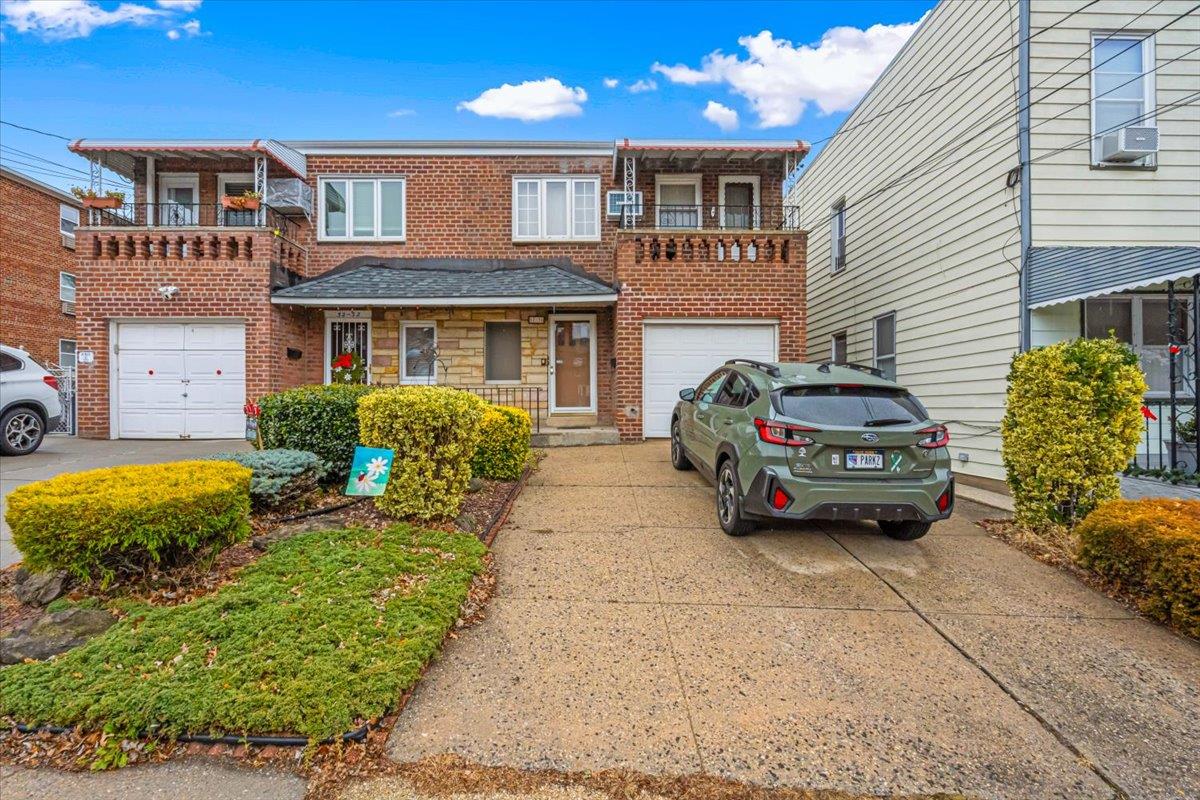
[[369, 278]]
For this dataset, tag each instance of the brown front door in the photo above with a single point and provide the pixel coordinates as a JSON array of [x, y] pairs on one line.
[[572, 342]]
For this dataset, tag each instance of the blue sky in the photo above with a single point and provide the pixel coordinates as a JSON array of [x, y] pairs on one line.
[[364, 70]]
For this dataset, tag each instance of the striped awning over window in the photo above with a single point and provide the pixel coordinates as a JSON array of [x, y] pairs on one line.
[[1062, 274]]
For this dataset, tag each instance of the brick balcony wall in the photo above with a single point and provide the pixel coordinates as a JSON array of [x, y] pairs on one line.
[[693, 283], [31, 256], [118, 282]]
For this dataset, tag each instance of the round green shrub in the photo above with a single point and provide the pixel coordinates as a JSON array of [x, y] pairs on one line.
[[504, 444], [279, 476], [318, 419], [434, 431], [125, 520], [1072, 422]]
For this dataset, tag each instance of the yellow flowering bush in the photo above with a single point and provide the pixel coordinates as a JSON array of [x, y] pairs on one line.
[[1072, 422], [434, 431], [111, 522], [504, 443], [1150, 548]]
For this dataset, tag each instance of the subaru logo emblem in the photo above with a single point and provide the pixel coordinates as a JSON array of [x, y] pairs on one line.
[[870, 437]]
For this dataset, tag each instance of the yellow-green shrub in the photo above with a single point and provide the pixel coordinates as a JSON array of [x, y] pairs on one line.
[[124, 520], [1072, 422], [1150, 548], [433, 431], [504, 443]]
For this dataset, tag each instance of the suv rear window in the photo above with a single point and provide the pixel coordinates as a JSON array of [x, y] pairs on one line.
[[851, 406]]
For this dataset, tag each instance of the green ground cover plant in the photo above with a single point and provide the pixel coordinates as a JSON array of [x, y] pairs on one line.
[[323, 632]]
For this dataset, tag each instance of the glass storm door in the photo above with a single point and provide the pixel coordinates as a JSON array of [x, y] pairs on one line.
[[348, 336], [739, 205], [179, 201], [573, 363]]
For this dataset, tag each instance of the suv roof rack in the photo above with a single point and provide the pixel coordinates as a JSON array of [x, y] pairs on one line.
[[878, 373], [770, 369]]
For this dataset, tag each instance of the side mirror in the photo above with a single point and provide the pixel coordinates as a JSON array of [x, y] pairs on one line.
[[687, 394]]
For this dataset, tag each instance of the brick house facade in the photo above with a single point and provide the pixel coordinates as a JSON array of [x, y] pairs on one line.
[[723, 255], [34, 253]]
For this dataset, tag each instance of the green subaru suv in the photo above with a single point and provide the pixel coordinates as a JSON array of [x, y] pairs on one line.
[[814, 441]]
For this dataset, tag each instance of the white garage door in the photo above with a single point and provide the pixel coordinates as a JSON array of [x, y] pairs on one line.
[[181, 380], [678, 355]]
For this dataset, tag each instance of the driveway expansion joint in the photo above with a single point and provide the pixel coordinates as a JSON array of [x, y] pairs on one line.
[[1118, 792]]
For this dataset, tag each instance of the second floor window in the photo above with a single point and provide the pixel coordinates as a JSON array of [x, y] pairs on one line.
[[362, 208], [837, 235], [68, 221], [547, 208], [66, 287], [837, 348], [1122, 86]]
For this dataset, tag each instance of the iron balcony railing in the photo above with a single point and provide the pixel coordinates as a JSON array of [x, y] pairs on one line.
[[710, 217], [527, 398], [198, 215]]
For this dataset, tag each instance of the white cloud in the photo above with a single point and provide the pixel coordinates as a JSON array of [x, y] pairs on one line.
[[180, 5], [780, 79], [723, 117], [71, 19], [531, 101], [643, 85], [401, 112], [173, 34], [190, 28], [611, 83]]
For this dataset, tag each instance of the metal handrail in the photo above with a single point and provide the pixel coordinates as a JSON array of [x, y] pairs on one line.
[[526, 398], [706, 217], [195, 215]]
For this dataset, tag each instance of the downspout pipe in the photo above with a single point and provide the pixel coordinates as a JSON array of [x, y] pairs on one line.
[[1024, 113]]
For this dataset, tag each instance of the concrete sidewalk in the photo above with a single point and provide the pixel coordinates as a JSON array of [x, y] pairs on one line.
[[629, 631], [59, 454]]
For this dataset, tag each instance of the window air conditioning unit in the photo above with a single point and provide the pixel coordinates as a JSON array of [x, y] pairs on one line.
[[1128, 144], [68, 240], [68, 308]]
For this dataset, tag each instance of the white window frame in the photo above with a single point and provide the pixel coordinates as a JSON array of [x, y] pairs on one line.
[[755, 196], [1148, 92], [65, 211], [349, 236], [620, 195], [875, 354], [520, 348], [404, 376], [678, 179], [74, 286], [74, 355], [1137, 332], [837, 236], [833, 354], [571, 180]]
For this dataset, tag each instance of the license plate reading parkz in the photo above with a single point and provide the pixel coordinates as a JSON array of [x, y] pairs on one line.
[[864, 459]]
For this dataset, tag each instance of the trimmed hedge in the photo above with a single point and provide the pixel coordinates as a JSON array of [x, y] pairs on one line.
[[279, 476], [434, 431], [1072, 422], [319, 419], [504, 444], [1150, 548], [124, 520]]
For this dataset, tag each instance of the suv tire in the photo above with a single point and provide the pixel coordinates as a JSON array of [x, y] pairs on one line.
[[729, 501], [21, 431], [905, 531], [679, 459]]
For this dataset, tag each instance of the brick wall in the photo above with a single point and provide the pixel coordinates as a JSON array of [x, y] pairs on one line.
[[31, 256], [124, 286], [694, 284]]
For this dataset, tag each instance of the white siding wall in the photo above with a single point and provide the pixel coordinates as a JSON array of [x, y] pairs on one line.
[[1076, 204], [942, 250]]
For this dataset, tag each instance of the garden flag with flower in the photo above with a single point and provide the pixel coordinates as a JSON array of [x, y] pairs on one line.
[[369, 472]]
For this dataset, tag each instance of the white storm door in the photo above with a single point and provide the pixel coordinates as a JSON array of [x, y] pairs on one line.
[[178, 200]]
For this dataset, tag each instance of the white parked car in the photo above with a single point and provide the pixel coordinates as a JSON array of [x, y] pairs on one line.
[[29, 399]]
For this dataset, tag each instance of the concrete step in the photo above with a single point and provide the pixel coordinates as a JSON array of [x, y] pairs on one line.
[[575, 437]]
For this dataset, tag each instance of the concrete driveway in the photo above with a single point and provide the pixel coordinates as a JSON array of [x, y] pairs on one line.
[[59, 454], [629, 631]]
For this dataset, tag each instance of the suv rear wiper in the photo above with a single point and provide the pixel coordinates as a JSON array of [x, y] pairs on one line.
[[874, 423]]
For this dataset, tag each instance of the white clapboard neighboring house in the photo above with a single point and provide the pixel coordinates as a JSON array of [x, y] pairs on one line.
[[953, 223]]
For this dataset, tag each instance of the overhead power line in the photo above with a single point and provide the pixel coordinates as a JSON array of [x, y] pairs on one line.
[[35, 130]]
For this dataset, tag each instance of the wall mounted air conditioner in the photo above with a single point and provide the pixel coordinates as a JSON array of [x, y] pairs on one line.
[[68, 240], [1128, 144]]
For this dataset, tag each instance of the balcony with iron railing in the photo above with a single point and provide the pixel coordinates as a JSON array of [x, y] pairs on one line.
[[706, 217], [196, 232], [710, 233]]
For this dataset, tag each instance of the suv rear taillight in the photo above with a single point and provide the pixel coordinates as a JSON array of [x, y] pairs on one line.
[[50, 381], [784, 433], [933, 437]]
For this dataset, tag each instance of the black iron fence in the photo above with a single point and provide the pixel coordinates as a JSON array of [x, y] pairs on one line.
[[527, 398], [1169, 438], [710, 217], [196, 215]]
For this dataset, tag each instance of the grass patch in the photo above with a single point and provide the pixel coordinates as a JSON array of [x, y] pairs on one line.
[[320, 634]]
